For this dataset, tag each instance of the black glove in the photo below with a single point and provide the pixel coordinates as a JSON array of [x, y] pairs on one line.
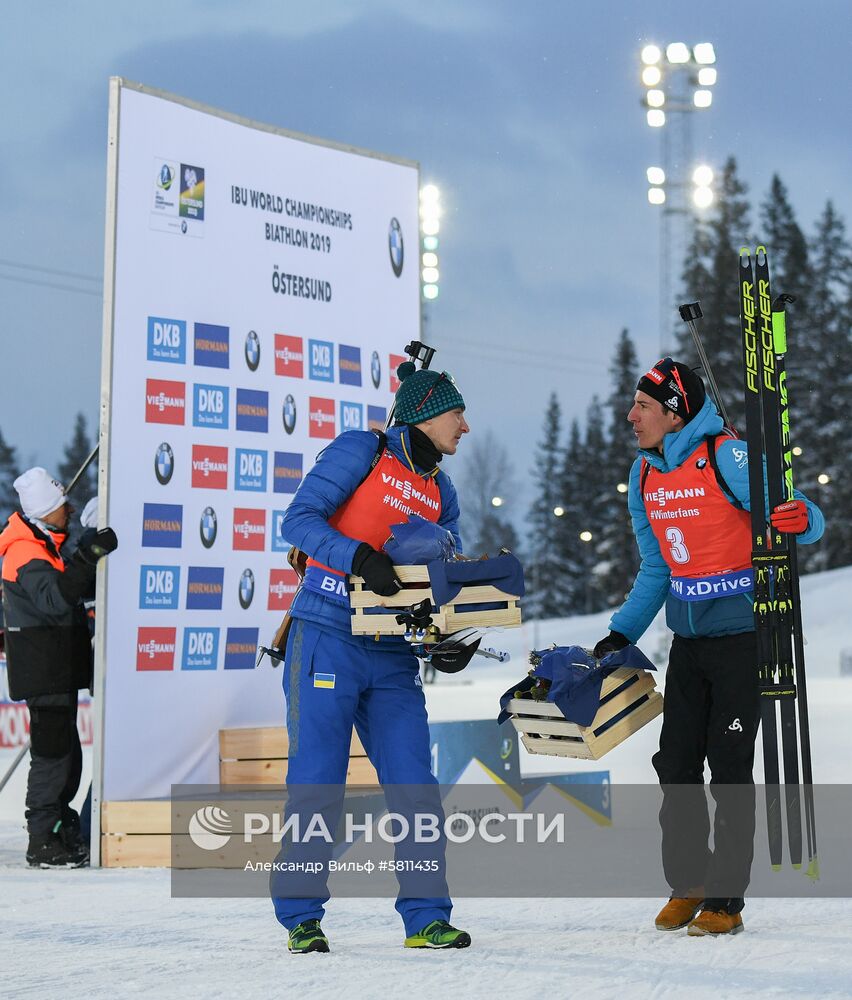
[[377, 570], [610, 644], [78, 579], [97, 544]]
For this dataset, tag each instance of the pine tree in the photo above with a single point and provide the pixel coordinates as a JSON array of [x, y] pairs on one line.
[[569, 546], [617, 549], [785, 243], [543, 570], [9, 472], [488, 473], [821, 395], [710, 275]]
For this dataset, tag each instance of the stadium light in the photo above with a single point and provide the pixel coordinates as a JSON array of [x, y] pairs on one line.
[[677, 53], [657, 196], [430, 226], [651, 55], [496, 501], [656, 175], [656, 118], [621, 488], [586, 536], [655, 98], [706, 76], [702, 98], [558, 511], [651, 76], [823, 479], [704, 53]]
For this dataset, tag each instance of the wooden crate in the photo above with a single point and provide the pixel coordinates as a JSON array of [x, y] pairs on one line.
[[258, 756], [446, 617], [139, 834], [629, 701]]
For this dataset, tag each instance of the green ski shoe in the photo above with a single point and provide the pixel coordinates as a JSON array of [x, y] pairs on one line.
[[307, 936], [439, 934]]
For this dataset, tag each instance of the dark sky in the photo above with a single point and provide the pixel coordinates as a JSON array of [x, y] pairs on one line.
[[528, 117]]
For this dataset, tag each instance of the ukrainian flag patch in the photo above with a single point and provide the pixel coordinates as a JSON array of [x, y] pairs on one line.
[[324, 680]]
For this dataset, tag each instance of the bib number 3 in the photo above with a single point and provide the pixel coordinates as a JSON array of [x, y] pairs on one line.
[[679, 551]]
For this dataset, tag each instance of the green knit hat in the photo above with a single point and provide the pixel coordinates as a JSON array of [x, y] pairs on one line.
[[423, 394]]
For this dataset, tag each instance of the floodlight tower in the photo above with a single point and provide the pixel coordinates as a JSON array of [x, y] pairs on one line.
[[678, 82], [430, 226]]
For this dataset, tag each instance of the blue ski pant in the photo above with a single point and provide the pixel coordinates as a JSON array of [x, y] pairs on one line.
[[330, 686]]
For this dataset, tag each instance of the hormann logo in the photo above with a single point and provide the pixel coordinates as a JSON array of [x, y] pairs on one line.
[[240, 648], [204, 588], [211, 345], [409, 491], [155, 648], [377, 417], [252, 410], [249, 529], [283, 584], [165, 401], [749, 334], [166, 340], [320, 417], [349, 364], [162, 525], [209, 467], [661, 496], [289, 356]]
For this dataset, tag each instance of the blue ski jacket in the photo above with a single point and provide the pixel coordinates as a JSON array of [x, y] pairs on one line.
[[719, 615], [339, 470]]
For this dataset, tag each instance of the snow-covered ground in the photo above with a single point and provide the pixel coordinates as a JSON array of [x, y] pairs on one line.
[[118, 933]]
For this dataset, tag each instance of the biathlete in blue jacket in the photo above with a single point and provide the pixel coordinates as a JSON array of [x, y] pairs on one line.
[[340, 517], [694, 534]]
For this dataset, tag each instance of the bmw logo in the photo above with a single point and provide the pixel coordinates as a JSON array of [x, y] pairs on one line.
[[246, 588], [183, 226], [700, 463], [375, 369], [164, 463], [208, 527], [252, 350], [289, 413], [506, 748], [395, 246], [166, 176]]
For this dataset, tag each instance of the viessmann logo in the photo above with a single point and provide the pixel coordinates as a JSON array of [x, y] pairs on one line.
[[165, 401], [660, 496], [283, 584], [321, 417], [289, 356], [249, 529], [155, 648], [209, 467]]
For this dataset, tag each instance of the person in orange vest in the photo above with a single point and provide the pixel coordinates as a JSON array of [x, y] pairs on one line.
[[49, 656], [688, 499], [340, 517]]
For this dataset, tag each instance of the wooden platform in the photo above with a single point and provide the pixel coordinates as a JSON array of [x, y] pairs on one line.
[[445, 617], [629, 701], [139, 834]]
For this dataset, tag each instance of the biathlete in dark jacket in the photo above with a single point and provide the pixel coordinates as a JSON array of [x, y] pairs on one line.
[[49, 656], [340, 518], [694, 534]]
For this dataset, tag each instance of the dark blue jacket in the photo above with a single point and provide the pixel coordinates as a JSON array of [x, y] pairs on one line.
[[719, 615], [339, 471]]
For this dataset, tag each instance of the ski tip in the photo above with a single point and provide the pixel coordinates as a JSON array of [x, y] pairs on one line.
[[745, 252], [813, 869], [776, 868], [798, 867]]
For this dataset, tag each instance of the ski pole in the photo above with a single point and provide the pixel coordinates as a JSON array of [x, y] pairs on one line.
[[21, 753], [82, 469], [690, 313]]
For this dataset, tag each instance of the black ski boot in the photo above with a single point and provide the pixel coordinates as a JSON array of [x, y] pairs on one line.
[[49, 850]]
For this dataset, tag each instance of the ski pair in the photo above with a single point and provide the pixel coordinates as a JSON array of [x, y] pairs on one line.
[[777, 609]]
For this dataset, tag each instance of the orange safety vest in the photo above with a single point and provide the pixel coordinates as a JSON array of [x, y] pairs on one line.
[[20, 546], [699, 531]]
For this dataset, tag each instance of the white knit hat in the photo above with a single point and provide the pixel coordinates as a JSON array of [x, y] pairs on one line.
[[89, 517], [40, 493]]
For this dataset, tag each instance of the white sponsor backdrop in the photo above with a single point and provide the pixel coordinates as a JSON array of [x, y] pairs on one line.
[[229, 238]]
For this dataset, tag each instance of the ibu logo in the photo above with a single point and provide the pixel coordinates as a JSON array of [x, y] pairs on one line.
[[211, 345], [377, 417], [250, 470], [351, 416], [321, 354], [200, 649], [349, 363], [159, 587], [278, 542], [210, 406], [252, 410], [166, 340], [204, 588], [241, 648]]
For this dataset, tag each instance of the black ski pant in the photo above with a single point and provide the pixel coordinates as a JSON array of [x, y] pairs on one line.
[[56, 762], [711, 712]]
